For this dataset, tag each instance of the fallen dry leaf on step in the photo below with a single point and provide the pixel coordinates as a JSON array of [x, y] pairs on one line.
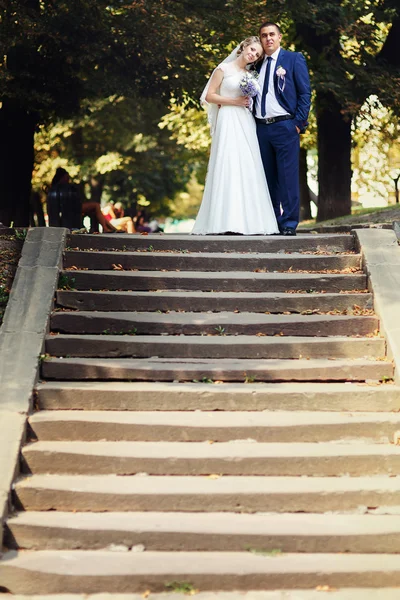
[[396, 438], [146, 594], [325, 588], [117, 267]]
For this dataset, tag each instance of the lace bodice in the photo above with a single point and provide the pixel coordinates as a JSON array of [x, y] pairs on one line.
[[230, 83]]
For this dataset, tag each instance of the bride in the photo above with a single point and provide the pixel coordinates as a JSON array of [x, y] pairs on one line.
[[236, 197]]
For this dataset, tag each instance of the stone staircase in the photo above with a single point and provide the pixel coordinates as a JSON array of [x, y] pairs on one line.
[[216, 413]]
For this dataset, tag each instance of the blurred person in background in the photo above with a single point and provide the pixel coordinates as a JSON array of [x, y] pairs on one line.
[[115, 214], [141, 222], [65, 207]]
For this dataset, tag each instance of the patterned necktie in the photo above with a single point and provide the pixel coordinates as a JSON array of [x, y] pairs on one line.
[[265, 87]]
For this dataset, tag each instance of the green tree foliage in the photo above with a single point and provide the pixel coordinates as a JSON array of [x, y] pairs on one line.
[[59, 53], [60, 59], [185, 205], [58, 56], [376, 152], [52, 54], [118, 143]]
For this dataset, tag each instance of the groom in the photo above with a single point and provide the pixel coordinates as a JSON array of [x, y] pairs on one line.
[[281, 111]]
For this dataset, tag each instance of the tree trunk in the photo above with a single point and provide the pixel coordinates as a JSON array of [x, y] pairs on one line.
[[17, 129], [396, 188], [305, 207], [36, 214], [334, 158]]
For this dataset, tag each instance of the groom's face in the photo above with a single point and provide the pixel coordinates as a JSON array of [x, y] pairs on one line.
[[270, 39]]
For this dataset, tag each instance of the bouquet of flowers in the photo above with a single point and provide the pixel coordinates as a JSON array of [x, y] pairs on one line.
[[249, 85]]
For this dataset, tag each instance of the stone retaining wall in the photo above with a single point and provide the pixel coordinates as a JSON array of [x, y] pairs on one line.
[[21, 340]]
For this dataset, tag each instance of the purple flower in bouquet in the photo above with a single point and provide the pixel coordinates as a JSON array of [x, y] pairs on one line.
[[249, 85]]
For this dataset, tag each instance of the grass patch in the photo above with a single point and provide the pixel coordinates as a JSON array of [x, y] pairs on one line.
[[181, 587], [65, 282], [203, 380], [43, 358], [380, 214]]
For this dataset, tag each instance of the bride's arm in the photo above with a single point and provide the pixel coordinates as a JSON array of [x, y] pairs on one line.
[[214, 98]]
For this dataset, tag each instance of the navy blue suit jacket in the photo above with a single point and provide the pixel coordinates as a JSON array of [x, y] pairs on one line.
[[296, 96]]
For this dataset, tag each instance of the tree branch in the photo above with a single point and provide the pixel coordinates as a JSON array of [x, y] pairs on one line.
[[198, 7]]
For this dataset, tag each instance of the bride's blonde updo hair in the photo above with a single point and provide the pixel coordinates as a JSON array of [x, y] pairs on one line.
[[254, 39]]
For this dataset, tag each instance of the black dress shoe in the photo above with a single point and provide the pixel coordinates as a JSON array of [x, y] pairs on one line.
[[288, 231]]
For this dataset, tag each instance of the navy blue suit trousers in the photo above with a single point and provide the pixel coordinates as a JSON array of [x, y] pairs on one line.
[[279, 147]]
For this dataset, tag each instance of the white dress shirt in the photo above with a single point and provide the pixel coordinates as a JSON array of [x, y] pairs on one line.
[[273, 108]]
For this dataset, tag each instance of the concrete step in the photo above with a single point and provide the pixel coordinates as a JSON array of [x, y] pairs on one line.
[[217, 282], [199, 426], [215, 302], [164, 369], [225, 323], [106, 571], [246, 458], [305, 242], [207, 532], [109, 493], [154, 396], [240, 346], [211, 261]]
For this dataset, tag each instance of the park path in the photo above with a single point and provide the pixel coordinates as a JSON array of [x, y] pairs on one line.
[[215, 413]]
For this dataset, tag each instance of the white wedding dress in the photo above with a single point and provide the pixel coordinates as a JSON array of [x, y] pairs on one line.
[[236, 197]]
